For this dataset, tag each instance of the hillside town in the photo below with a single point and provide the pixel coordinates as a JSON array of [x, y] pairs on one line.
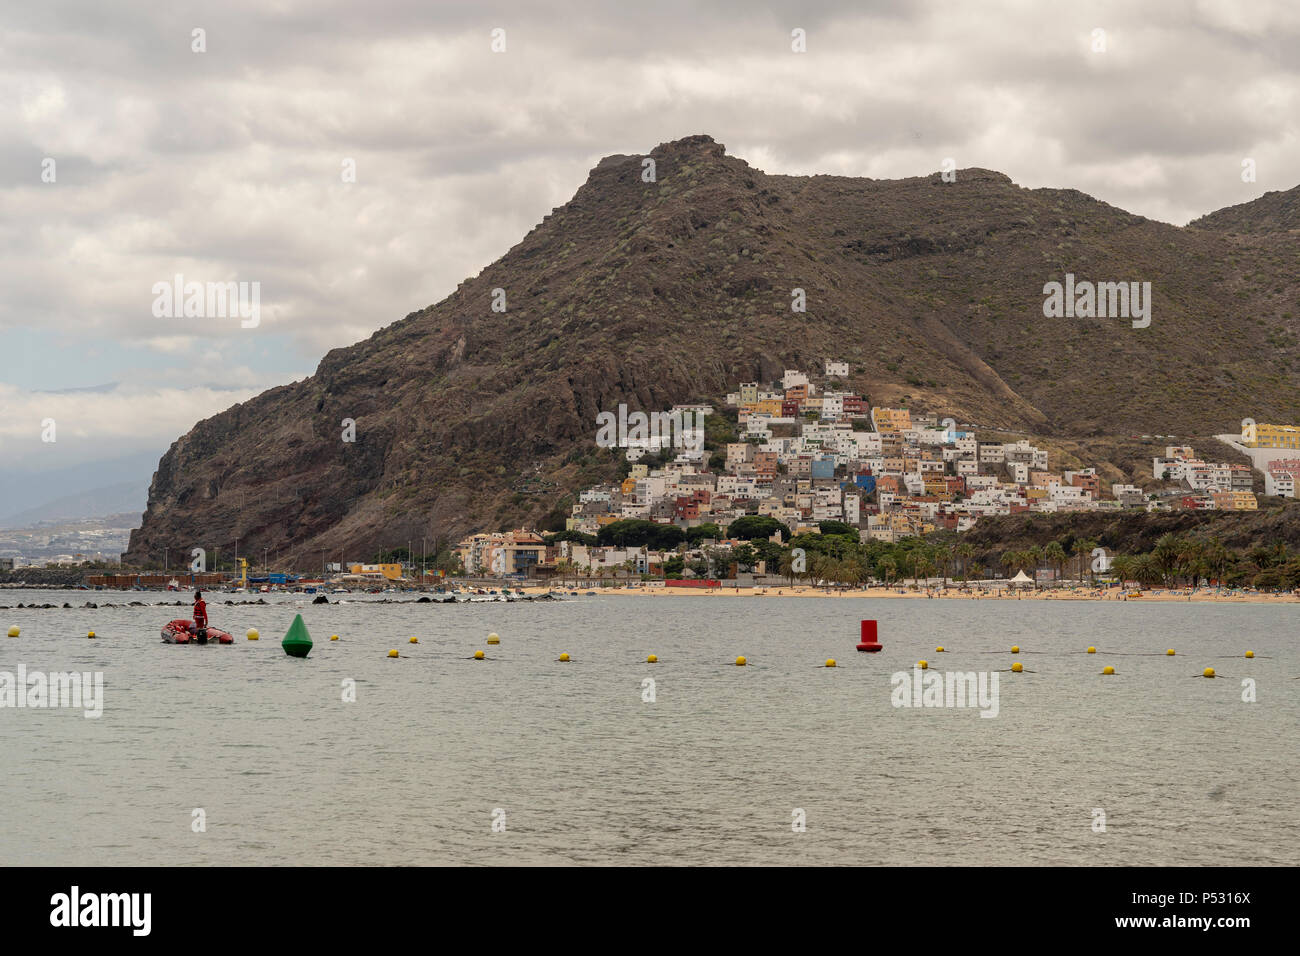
[[804, 456], [807, 451]]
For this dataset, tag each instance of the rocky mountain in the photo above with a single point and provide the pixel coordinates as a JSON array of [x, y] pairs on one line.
[[1273, 212], [652, 293]]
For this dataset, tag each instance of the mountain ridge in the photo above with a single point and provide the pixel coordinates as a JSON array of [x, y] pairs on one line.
[[676, 290]]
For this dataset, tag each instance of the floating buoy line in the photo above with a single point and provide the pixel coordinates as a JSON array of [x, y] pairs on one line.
[[297, 643]]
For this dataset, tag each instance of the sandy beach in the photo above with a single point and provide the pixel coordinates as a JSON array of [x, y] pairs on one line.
[[1212, 595]]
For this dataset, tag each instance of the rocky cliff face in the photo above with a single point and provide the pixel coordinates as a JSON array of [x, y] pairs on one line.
[[655, 293]]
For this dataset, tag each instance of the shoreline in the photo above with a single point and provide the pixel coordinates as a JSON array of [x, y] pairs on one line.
[[1161, 595]]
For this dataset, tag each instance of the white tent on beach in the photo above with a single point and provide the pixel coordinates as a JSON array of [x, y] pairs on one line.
[[1022, 579]]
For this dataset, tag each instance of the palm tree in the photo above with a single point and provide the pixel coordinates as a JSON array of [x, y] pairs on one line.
[[1010, 559], [1190, 562], [888, 568], [563, 567], [1217, 559], [819, 568], [1055, 555], [857, 574], [943, 559], [1085, 547], [1123, 566], [787, 566], [1147, 570], [1166, 557], [967, 551], [1080, 550]]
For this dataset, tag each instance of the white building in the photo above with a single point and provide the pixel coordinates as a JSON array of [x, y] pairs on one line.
[[1279, 483]]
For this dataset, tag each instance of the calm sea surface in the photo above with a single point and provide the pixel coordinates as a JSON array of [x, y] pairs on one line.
[[711, 772]]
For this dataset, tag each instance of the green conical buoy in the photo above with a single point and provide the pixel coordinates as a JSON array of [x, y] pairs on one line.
[[297, 643]]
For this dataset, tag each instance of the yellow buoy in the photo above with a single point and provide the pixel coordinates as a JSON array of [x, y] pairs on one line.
[[1108, 669], [494, 638], [1250, 653], [564, 658], [1092, 650], [13, 630], [334, 637], [415, 640], [392, 653], [923, 664], [1169, 653], [830, 662], [90, 634], [479, 655], [252, 634], [938, 650], [1208, 672], [741, 662], [652, 659], [1017, 667], [1015, 648]]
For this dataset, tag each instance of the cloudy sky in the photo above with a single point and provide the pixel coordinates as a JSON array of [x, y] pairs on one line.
[[227, 164]]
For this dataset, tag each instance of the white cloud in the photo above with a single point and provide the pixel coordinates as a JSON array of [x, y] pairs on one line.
[[225, 166], [92, 425]]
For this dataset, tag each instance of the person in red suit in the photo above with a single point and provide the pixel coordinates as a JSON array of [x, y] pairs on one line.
[[200, 617]]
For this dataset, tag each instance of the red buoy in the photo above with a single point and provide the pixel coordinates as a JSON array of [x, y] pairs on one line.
[[869, 642]]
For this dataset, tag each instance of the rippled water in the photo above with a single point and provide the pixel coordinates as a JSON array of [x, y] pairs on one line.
[[585, 771]]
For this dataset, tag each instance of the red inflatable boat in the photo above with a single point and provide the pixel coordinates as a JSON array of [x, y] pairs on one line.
[[182, 631]]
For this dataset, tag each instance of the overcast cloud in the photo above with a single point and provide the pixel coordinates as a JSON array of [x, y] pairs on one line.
[[226, 165]]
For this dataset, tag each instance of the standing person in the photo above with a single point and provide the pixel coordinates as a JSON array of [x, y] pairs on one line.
[[200, 617]]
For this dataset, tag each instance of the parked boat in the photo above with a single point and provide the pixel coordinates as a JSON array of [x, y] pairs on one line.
[[182, 631]]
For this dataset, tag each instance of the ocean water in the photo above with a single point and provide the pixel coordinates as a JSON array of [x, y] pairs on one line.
[[575, 766]]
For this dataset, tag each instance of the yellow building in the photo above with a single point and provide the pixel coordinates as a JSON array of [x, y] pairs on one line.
[[891, 419], [1270, 436], [1236, 501], [938, 487], [393, 572]]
